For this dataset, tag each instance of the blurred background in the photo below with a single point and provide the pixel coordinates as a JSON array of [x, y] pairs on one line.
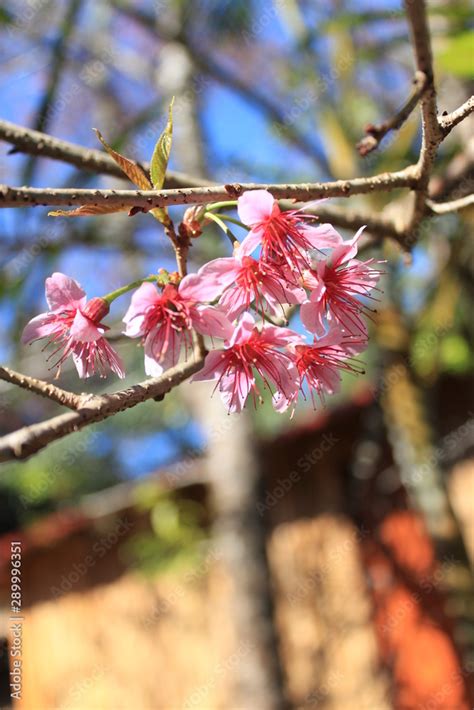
[[175, 557]]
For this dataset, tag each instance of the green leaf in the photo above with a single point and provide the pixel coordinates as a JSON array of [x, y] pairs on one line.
[[457, 57], [161, 154]]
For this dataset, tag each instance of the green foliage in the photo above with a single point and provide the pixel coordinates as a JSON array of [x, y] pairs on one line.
[[177, 539], [161, 153], [458, 56], [61, 473], [455, 354], [159, 163]]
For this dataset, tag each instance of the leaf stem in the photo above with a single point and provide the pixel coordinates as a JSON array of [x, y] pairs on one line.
[[109, 297], [228, 218], [219, 205], [233, 239]]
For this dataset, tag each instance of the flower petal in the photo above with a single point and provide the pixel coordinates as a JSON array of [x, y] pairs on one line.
[[322, 236], [312, 316], [234, 301], [347, 250], [162, 348], [214, 277], [62, 292], [280, 337], [113, 359], [84, 330], [251, 242], [243, 330], [40, 327], [255, 206], [214, 365], [211, 321], [235, 389], [144, 297]]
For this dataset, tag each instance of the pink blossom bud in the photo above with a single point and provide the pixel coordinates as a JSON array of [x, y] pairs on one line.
[[96, 309]]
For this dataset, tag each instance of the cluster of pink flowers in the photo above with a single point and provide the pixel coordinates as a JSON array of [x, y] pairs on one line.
[[299, 264]]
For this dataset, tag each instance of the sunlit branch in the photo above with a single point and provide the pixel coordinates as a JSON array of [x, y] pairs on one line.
[[449, 120], [451, 206], [148, 199], [91, 409], [375, 133]]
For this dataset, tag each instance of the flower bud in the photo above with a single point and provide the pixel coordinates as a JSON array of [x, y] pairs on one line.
[[192, 222], [96, 309]]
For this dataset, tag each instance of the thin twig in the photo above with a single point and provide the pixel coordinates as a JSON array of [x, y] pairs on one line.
[[452, 206], [375, 133], [432, 134], [448, 120]]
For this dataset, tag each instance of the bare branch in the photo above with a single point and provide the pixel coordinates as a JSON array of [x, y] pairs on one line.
[[432, 133], [377, 132], [33, 142], [44, 389], [148, 199], [452, 206], [448, 120], [93, 408]]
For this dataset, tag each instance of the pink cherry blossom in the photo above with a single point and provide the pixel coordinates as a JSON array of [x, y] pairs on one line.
[[165, 319], [338, 284], [73, 325], [243, 280], [283, 236], [249, 350], [320, 364]]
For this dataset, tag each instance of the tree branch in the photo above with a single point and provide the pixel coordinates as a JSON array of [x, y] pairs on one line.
[[148, 199], [452, 206], [92, 409], [377, 132], [44, 389], [33, 142], [432, 133], [448, 120]]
